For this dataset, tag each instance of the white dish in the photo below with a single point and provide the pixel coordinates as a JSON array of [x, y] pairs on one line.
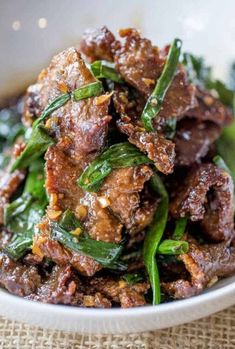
[[83, 320], [27, 41]]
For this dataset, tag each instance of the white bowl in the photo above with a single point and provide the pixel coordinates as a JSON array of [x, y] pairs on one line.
[[30, 33]]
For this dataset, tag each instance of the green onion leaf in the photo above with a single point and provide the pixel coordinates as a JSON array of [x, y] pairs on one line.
[[172, 247], [117, 156], [55, 104], [87, 91], [36, 146], [105, 70], [69, 221], [23, 214], [133, 278], [219, 162], [154, 103], [104, 253], [153, 238], [180, 227]]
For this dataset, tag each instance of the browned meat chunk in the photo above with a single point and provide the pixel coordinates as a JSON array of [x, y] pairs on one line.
[[8, 185], [96, 44], [158, 149], [193, 140], [141, 64], [207, 196], [210, 108], [59, 288], [120, 292], [18, 278], [205, 265], [138, 62], [122, 190]]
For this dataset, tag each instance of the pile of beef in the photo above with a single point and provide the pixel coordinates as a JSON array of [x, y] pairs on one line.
[[124, 205]]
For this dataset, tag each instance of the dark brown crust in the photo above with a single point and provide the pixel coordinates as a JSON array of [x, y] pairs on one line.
[[193, 140], [214, 210], [205, 265], [96, 44]]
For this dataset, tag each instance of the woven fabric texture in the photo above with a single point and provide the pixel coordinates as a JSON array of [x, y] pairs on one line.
[[214, 332]]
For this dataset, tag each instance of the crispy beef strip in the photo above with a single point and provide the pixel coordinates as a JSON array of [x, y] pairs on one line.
[[120, 292], [193, 140], [206, 195], [63, 286], [122, 190], [17, 278], [59, 288], [9, 183], [205, 264], [158, 148], [210, 108], [139, 62], [96, 44]]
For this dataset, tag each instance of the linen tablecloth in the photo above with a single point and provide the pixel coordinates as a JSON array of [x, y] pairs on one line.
[[214, 332]]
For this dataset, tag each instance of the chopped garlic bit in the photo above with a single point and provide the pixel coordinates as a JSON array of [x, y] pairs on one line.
[[36, 249], [53, 199], [104, 202], [81, 212], [88, 301], [76, 232], [101, 99], [53, 214], [148, 82], [122, 283]]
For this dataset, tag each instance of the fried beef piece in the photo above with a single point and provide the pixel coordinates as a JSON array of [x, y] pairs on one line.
[[193, 140], [206, 196], [211, 109], [9, 183], [120, 292], [141, 64], [158, 149], [122, 190], [138, 62], [99, 221], [96, 44], [59, 288], [18, 278], [205, 264]]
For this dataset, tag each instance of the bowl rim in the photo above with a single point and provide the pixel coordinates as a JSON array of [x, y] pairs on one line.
[[85, 313]]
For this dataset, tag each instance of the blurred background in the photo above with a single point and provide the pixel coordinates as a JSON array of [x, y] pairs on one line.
[[32, 31]]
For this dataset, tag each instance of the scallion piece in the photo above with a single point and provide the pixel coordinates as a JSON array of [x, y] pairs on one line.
[[180, 227], [87, 91], [154, 103], [172, 247], [154, 236], [55, 104], [117, 156], [105, 70], [219, 162], [104, 253], [36, 146]]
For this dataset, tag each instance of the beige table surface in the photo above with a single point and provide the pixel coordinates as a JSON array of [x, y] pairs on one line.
[[214, 332]]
